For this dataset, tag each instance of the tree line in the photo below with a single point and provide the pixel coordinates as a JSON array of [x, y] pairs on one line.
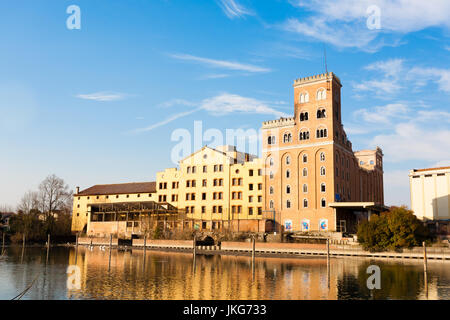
[[47, 210]]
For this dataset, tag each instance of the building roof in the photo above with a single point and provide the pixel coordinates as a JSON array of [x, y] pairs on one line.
[[431, 169], [123, 188]]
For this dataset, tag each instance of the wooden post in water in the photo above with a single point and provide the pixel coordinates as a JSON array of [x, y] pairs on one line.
[[424, 256], [328, 262], [23, 247], [425, 268], [253, 248], [110, 249], [145, 249], [3, 242], [48, 246], [76, 248]]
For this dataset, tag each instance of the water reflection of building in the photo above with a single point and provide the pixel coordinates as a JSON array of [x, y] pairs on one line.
[[173, 276]]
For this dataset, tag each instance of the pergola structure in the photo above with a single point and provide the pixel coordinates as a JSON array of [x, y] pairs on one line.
[[134, 218]]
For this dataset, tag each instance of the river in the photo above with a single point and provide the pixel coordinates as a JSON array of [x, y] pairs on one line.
[[94, 274]]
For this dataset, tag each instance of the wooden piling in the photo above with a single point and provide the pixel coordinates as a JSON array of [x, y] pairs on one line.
[[3, 242], [76, 247], [48, 246], [110, 250], [194, 244], [424, 256], [253, 248]]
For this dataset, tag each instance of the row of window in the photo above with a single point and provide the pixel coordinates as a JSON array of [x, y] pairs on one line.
[[323, 203], [193, 169], [116, 196], [320, 114], [304, 159], [302, 136], [321, 94], [219, 209], [163, 185], [323, 188], [323, 172]]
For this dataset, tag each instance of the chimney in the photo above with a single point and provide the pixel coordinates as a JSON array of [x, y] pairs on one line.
[[78, 190]]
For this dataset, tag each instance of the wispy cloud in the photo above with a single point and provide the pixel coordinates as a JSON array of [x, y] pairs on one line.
[[233, 9], [393, 72], [102, 96], [166, 121], [223, 64], [343, 23], [220, 105]]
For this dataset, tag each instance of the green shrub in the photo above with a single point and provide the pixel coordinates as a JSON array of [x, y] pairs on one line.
[[392, 230]]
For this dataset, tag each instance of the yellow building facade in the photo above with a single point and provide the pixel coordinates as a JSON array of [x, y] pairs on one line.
[[219, 188]]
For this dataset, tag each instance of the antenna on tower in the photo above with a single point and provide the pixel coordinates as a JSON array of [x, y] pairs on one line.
[[325, 58]]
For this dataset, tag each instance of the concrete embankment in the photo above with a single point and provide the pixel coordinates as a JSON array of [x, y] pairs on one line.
[[278, 249]]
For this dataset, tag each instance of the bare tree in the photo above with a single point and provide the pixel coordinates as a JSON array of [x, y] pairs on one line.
[[29, 202], [54, 195]]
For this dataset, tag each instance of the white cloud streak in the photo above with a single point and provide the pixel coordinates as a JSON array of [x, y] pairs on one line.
[[223, 64], [102, 96], [233, 9], [220, 105]]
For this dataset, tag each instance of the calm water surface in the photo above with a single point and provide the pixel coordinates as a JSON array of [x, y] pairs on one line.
[[166, 275]]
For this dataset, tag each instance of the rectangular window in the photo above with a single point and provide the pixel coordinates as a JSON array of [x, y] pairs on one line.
[[203, 196], [193, 183], [259, 172], [214, 209], [203, 209], [205, 170], [250, 173], [250, 186], [250, 211], [193, 196], [259, 198], [250, 199], [215, 168], [259, 210], [219, 208], [260, 186], [204, 183]]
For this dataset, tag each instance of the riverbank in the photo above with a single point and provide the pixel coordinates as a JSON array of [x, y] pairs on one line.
[[272, 249]]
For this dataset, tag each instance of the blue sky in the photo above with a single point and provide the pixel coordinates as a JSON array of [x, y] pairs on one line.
[[99, 104]]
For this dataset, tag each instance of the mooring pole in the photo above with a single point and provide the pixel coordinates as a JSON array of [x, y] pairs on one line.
[[253, 248], [3, 242], [145, 250], [76, 247], [23, 248], [425, 268], [424, 256], [194, 244], [328, 262], [48, 246]]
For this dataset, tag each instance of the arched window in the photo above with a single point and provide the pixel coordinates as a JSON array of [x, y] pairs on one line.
[[271, 140], [305, 172], [321, 133], [288, 204], [271, 162], [271, 190], [321, 94], [323, 187], [287, 137], [288, 174], [304, 135], [322, 171], [305, 158], [288, 189], [288, 160], [271, 175], [321, 114], [304, 116], [305, 203], [322, 156], [323, 203], [271, 204], [305, 188], [304, 97]]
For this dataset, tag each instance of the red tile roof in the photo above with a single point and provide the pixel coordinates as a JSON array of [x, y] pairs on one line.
[[123, 188], [431, 169]]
